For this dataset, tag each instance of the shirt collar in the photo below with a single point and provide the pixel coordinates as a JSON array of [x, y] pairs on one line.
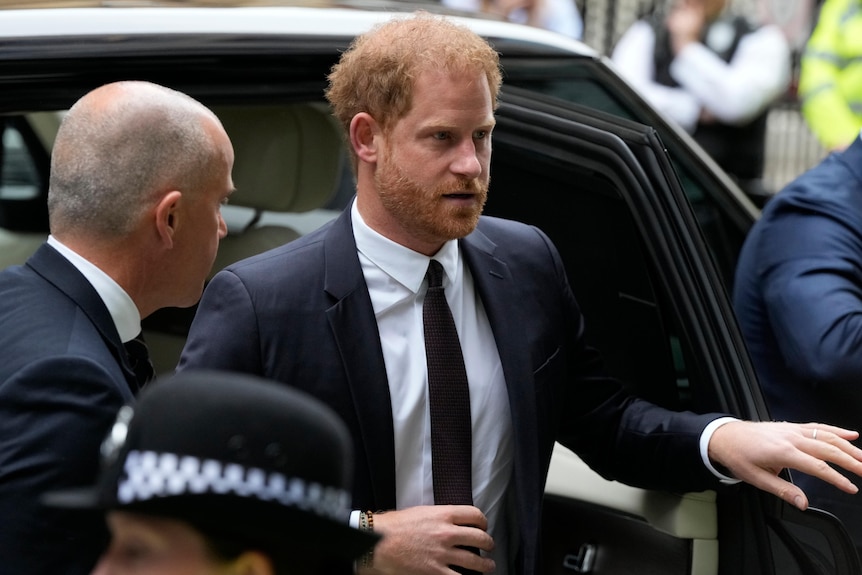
[[122, 308], [402, 264]]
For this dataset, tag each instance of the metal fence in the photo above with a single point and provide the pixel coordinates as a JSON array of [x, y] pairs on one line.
[[791, 148]]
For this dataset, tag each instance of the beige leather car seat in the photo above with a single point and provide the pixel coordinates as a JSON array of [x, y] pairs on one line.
[[288, 159]]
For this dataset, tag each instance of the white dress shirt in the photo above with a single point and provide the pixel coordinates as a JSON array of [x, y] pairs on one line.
[[734, 92], [120, 305], [395, 277]]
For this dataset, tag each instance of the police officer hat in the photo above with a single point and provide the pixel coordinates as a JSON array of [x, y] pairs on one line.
[[238, 457]]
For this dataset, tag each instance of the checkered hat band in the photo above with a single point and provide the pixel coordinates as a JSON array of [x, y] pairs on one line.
[[150, 475]]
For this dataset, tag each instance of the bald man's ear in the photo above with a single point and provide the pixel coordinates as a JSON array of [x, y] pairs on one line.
[[365, 137], [252, 563], [167, 217]]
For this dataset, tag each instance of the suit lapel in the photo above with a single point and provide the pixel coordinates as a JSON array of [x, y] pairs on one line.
[[355, 330], [57, 270], [495, 285]]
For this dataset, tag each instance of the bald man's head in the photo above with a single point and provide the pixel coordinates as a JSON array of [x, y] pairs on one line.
[[118, 148]]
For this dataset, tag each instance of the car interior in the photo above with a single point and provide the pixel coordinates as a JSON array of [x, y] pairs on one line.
[[288, 166]]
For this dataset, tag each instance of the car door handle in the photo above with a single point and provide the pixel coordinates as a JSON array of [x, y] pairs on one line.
[[583, 561]]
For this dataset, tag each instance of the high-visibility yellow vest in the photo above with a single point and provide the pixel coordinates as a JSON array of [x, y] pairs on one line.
[[830, 81]]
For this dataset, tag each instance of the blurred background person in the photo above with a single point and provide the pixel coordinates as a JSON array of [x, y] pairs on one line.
[[830, 76], [561, 16], [214, 473], [798, 296], [716, 74]]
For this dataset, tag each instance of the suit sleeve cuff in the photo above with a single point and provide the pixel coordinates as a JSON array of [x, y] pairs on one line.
[[705, 436]]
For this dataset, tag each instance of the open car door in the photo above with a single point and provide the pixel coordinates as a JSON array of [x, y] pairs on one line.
[[604, 190]]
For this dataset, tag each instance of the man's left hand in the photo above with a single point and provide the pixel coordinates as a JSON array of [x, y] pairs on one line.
[[756, 452]]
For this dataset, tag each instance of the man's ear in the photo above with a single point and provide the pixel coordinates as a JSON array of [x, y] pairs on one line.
[[252, 563], [167, 217], [365, 137]]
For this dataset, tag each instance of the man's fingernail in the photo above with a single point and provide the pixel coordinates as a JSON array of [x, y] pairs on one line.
[[798, 502]]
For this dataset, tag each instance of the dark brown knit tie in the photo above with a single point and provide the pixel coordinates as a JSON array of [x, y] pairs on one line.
[[449, 398], [139, 359]]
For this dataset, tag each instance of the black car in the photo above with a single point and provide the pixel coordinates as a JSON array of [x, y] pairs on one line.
[[648, 227]]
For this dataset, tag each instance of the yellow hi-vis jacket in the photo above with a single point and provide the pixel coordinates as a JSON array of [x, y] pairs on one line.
[[830, 80]]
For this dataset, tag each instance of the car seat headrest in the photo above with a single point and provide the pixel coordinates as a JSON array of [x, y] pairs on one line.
[[288, 157]]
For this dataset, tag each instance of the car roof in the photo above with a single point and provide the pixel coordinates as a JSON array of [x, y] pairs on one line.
[[321, 19]]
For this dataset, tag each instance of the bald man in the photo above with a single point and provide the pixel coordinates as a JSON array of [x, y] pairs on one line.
[[138, 175]]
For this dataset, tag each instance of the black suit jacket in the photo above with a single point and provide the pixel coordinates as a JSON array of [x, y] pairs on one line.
[[63, 376], [302, 314]]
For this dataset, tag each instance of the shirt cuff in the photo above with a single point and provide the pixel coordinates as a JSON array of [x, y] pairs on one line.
[[354, 518], [705, 436]]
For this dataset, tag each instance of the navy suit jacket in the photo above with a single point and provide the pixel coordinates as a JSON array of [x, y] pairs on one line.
[[798, 296], [63, 376], [301, 314]]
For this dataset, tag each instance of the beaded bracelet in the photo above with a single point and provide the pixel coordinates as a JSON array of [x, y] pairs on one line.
[[366, 523]]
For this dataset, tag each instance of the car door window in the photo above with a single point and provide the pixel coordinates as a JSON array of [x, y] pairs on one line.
[[620, 281], [23, 190], [23, 177], [599, 242], [587, 82], [19, 179]]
